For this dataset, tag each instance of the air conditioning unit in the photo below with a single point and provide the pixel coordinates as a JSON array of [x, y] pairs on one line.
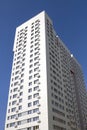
[[38, 105], [38, 90], [16, 126], [39, 97], [38, 112], [38, 121]]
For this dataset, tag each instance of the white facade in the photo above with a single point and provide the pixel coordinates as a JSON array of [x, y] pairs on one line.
[[40, 94]]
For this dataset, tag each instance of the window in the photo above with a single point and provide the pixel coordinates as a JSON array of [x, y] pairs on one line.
[[21, 87], [20, 107], [30, 71], [35, 95], [25, 41], [23, 64], [30, 112], [30, 77], [35, 110], [20, 114], [36, 118], [35, 88], [31, 46], [19, 122], [11, 91], [13, 109], [32, 26], [55, 127], [36, 63], [36, 102], [29, 128], [17, 62], [59, 120], [11, 85], [36, 127], [29, 120], [14, 102], [12, 124], [20, 100], [24, 50], [36, 53], [37, 43], [8, 110], [32, 23], [32, 34], [31, 55], [15, 95], [36, 28], [8, 125], [21, 93], [36, 69], [30, 83], [23, 59], [30, 90], [29, 97], [9, 103], [36, 81], [31, 42], [58, 112], [37, 35], [15, 83], [29, 104], [16, 77], [22, 80], [10, 97], [24, 46], [35, 75], [13, 116], [26, 27], [31, 65], [36, 48], [36, 58], [20, 47], [31, 60], [22, 75], [18, 57], [36, 31], [15, 89], [32, 30], [22, 122], [22, 70], [24, 54]]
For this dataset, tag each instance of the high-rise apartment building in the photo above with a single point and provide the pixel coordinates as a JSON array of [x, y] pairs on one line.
[[47, 90]]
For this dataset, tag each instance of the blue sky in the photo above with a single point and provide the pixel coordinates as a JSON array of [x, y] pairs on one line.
[[70, 22]]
